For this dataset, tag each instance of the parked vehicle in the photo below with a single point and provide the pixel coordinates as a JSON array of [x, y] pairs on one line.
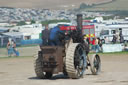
[[108, 33]]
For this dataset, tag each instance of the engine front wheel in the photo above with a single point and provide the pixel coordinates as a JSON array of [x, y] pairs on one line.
[[95, 64]]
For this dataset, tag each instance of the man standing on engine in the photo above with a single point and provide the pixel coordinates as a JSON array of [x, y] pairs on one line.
[[45, 35]]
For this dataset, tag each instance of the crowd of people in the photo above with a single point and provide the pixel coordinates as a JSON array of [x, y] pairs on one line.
[[95, 44]]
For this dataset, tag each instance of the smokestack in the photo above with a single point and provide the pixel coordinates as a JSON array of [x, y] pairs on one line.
[[79, 22]]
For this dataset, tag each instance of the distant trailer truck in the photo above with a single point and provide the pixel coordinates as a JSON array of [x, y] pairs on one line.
[[108, 33]]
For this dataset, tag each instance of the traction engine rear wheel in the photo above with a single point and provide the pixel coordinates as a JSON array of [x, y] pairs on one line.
[[75, 60]]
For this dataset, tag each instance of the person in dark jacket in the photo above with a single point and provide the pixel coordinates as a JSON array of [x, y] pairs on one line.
[[55, 34], [45, 35], [121, 36], [114, 39], [121, 39]]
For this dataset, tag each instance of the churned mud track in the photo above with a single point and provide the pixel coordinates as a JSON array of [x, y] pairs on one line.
[[20, 71]]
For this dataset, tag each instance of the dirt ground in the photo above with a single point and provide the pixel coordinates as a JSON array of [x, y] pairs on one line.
[[20, 71]]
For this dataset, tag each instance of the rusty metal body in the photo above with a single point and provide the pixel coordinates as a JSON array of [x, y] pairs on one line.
[[52, 58]]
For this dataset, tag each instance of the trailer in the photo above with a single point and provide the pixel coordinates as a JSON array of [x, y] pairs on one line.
[[115, 30]]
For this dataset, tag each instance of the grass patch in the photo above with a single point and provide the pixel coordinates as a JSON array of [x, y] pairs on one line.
[[28, 45], [123, 52]]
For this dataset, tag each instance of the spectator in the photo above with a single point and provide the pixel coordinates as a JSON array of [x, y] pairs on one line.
[[120, 34], [85, 39], [96, 45], [114, 39], [93, 44], [45, 35], [88, 40], [86, 45], [121, 39], [100, 44], [10, 47], [106, 40], [15, 49], [125, 47]]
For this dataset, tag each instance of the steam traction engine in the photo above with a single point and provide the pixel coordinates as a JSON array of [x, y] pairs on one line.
[[71, 58]]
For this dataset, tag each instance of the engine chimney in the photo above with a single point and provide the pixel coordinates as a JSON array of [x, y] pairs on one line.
[[79, 21]]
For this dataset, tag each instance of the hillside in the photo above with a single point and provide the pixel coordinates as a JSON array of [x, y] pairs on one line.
[[115, 5], [48, 4]]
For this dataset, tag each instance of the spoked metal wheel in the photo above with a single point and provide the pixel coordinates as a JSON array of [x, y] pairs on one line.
[[75, 60], [95, 64]]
